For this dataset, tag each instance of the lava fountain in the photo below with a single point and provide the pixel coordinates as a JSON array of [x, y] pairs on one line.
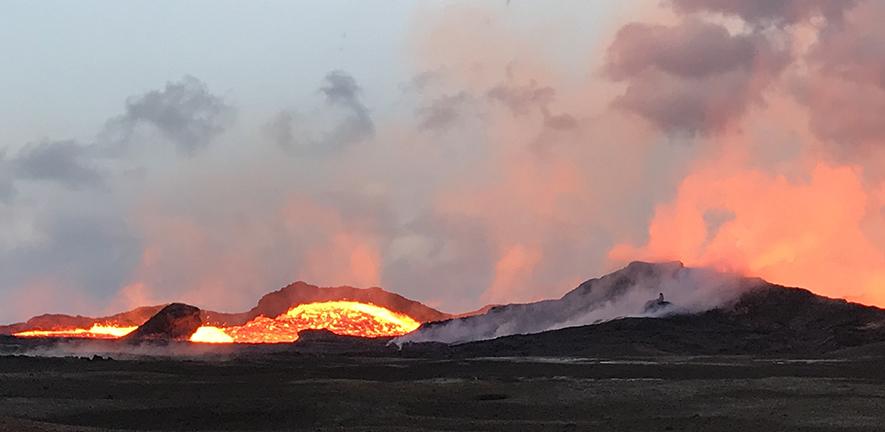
[[343, 317], [211, 334], [347, 318]]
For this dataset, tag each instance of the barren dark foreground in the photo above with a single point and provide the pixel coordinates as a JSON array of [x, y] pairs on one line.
[[296, 391]]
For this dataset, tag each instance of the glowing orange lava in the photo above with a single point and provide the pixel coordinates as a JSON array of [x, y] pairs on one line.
[[210, 334], [97, 331], [340, 317]]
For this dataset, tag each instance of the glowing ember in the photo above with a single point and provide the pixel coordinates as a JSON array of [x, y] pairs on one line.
[[340, 317], [210, 334], [97, 331]]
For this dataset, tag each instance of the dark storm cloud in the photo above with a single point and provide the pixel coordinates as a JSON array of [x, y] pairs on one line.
[[694, 77], [845, 87], [686, 106], [522, 99], [697, 77], [693, 49], [342, 91], [768, 12], [443, 112], [853, 54], [67, 163], [341, 88], [85, 241], [184, 112], [847, 115], [352, 121]]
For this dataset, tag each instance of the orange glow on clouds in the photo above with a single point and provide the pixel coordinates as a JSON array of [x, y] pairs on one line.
[[803, 232]]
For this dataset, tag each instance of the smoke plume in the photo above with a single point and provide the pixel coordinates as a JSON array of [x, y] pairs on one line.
[[629, 292]]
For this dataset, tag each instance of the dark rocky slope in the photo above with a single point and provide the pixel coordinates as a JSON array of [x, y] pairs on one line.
[[177, 321], [626, 292], [766, 320]]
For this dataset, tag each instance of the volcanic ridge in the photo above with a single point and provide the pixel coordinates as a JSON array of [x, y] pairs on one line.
[[641, 309]]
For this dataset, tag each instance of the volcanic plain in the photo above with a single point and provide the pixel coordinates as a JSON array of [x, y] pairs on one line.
[[310, 387]]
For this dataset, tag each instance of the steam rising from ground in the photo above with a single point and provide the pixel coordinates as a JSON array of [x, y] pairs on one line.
[[119, 350], [630, 292]]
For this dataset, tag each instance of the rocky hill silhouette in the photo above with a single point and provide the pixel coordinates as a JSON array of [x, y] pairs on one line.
[[270, 305]]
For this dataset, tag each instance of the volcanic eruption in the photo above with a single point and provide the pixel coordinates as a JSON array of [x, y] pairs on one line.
[[347, 318], [278, 318], [97, 331], [66, 326], [606, 314]]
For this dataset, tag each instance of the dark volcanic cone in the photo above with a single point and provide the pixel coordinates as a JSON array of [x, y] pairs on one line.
[[177, 321], [625, 292], [705, 312], [767, 320], [749, 317]]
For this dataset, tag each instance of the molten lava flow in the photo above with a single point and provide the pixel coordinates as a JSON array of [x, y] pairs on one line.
[[210, 334], [340, 317], [97, 331]]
